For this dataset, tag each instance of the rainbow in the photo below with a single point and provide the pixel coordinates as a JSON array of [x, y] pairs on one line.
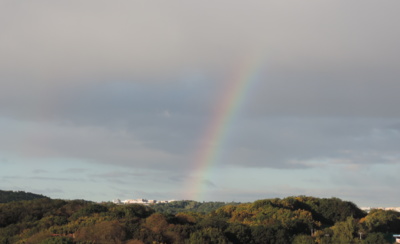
[[215, 135]]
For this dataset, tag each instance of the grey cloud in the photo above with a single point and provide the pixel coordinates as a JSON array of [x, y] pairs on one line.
[[49, 40], [44, 178], [367, 93], [309, 142], [135, 84], [117, 174], [178, 178], [56, 178], [75, 170], [49, 191], [117, 181], [315, 62], [68, 39], [134, 108], [88, 143], [209, 183]]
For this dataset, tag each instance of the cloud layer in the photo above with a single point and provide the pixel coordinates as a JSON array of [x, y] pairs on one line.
[[124, 91]]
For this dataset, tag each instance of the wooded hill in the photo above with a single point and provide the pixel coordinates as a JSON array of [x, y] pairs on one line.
[[289, 220], [11, 196]]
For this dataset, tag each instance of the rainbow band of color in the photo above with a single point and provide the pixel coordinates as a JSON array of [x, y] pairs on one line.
[[211, 144]]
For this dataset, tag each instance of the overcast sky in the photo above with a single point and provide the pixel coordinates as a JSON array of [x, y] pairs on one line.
[[111, 99]]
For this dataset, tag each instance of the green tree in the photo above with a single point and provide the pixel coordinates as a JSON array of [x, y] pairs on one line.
[[214, 222], [375, 238], [238, 233], [382, 221], [156, 222], [58, 240], [273, 235], [102, 232], [303, 239], [344, 232], [208, 236], [12, 196]]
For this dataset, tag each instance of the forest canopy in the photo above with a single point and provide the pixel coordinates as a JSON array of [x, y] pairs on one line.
[[11, 196], [299, 219]]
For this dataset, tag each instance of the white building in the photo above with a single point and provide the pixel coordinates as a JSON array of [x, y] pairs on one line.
[[368, 209], [141, 201]]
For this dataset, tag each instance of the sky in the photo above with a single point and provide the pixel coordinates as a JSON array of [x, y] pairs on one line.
[[102, 100]]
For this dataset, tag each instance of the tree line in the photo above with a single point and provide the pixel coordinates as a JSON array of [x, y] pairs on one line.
[[295, 220], [12, 196]]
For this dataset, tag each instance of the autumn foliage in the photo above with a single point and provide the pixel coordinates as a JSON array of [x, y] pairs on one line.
[[290, 220]]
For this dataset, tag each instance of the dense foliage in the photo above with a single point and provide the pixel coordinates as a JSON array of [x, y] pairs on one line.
[[289, 220], [189, 206], [12, 196]]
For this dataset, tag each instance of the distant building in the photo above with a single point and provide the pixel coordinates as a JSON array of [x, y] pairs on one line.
[[141, 201], [368, 209], [397, 209]]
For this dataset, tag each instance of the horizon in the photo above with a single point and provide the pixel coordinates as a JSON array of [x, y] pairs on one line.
[[230, 100], [158, 201]]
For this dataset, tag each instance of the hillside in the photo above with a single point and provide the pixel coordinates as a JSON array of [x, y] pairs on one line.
[[12, 196], [275, 221]]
